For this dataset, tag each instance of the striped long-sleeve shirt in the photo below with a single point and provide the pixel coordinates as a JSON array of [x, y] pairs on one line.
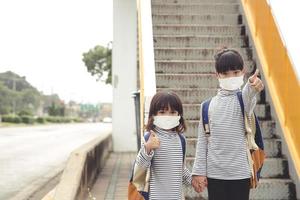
[[167, 170], [223, 155]]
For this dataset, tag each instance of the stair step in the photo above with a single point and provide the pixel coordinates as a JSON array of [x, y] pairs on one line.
[[272, 147], [178, 29], [194, 53], [268, 189], [200, 41], [197, 8], [208, 19], [191, 1], [267, 126], [190, 66], [192, 111], [195, 95], [186, 80]]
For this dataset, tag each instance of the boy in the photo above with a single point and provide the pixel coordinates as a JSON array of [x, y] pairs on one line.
[[221, 161]]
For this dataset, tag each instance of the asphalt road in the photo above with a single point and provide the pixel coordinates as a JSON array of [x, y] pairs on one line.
[[28, 154]]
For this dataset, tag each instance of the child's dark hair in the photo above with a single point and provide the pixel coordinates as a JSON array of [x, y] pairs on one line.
[[162, 101], [228, 59]]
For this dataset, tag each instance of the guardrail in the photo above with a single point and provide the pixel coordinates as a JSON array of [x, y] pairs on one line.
[[278, 71], [146, 59], [82, 169]]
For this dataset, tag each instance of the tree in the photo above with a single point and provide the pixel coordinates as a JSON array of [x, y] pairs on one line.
[[98, 62]]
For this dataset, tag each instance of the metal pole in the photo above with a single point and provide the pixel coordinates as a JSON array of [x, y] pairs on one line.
[[136, 96]]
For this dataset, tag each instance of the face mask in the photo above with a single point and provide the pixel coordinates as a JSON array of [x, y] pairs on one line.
[[166, 122], [232, 83]]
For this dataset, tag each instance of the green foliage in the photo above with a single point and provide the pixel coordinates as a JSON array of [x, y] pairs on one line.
[[41, 120], [17, 94], [99, 62], [27, 119], [56, 109], [25, 113], [11, 119]]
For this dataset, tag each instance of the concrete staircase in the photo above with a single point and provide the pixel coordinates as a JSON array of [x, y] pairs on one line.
[[187, 34]]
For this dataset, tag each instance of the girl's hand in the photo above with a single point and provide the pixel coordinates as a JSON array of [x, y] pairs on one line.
[[255, 82], [152, 143], [199, 183]]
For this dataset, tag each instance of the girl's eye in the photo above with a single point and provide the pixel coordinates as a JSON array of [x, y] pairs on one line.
[[161, 111]]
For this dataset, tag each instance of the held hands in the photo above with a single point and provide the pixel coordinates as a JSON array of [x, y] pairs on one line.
[[199, 183], [152, 143], [255, 82]]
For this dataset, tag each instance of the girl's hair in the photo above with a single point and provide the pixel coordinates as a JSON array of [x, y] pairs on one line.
[[162, 101], [228, 59]]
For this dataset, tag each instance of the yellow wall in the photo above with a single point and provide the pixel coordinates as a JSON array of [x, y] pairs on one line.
[[278, 71]]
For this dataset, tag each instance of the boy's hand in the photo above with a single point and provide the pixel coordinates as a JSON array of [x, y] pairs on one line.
[[152, 143], [255, 82], [199, 183]]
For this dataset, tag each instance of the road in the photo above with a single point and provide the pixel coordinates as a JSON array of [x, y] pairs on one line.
[[28, 154]]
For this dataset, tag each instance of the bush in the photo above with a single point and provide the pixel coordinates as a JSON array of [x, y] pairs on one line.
[[11, 119], [25, 113], [27, 119], [41, 120]]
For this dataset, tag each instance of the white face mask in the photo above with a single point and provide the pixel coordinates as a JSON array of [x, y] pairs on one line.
[[232, 83], [166, 122]]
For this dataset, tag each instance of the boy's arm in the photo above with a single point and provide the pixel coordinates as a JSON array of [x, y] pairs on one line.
[[199, 167], [253, 86], [249, 98]]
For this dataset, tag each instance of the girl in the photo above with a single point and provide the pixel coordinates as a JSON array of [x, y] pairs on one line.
[[163, 152]]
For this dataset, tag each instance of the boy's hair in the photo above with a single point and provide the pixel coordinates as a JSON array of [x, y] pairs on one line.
[[228, 59], [162, 101]]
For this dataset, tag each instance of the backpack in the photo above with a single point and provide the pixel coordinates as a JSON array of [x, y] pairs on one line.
[[138, 188], [254, 138]]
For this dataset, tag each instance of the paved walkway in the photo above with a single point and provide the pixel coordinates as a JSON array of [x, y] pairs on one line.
[[113, 180]]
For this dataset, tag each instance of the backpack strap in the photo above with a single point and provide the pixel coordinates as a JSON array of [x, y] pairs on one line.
[[240, 98], [204, 114], [183, 145]]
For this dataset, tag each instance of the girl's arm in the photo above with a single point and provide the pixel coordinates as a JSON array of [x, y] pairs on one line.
[[199, 167], [146, 152], [186, 176], [143, 159]]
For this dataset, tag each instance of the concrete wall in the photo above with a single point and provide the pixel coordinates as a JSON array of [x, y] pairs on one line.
[[124, 74], [82, 169]]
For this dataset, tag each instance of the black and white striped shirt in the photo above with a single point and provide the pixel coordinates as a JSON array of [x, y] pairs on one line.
[[223, 155], [167, 171]]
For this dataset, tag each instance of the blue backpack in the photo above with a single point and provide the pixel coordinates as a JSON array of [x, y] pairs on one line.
[[257, 154], [138, 188]]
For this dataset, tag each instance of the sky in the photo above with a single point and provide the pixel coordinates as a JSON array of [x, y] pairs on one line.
[[44, 41], [287, 16]]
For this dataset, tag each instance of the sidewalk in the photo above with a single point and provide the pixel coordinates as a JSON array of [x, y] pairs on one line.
[[112, 182]]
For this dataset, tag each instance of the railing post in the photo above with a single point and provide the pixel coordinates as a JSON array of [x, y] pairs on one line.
[[136, 97]]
